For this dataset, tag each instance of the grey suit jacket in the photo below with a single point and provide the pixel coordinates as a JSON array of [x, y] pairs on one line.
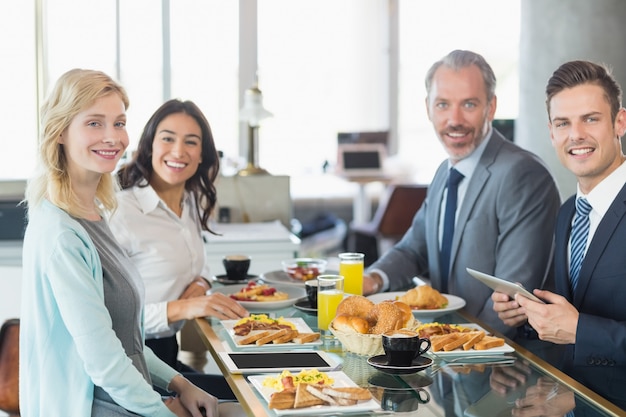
[[505, 228]]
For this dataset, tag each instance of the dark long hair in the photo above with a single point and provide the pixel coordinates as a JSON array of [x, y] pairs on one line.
[[201, 184]]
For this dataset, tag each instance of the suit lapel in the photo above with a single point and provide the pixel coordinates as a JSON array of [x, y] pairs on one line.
[[474, 189], [435, 195], [562, 232], [598, 244]]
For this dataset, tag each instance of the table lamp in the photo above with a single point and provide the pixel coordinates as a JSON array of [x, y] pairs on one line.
[[252, 113]]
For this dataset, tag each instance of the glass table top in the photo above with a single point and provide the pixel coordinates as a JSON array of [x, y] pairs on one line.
[[480, 385]]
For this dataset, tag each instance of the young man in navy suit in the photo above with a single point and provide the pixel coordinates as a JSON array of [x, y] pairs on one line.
[[587, 313]]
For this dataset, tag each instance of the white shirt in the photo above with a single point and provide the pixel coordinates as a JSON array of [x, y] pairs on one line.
[[465, 166], [600, 199], [167, 250]]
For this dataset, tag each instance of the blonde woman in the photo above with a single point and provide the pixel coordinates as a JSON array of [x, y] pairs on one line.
[[81, 344]]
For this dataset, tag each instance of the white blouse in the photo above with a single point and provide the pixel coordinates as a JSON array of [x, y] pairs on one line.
[[167, 250]]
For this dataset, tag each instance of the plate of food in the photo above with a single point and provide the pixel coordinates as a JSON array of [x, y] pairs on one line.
[[260, 331], [425, 301], [466, 339], [280, 277], [258, 297], [313, 392]]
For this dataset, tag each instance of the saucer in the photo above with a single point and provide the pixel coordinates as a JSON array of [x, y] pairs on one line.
[[380, 362], [223, 279], [305, 305]]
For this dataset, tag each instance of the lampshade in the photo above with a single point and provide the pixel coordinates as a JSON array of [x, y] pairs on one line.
[[253, 111]]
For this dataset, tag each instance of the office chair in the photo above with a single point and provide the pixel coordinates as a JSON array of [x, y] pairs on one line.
[[392, 219], [9, 367]]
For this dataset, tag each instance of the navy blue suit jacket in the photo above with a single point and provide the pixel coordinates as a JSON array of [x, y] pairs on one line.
[[598, 358]]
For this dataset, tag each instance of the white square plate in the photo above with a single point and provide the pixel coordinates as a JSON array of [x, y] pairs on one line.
[[301, 327], [340, 380], [500, 350]]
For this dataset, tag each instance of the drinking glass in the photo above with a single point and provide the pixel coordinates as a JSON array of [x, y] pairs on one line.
[[351, 268], [329, 295]]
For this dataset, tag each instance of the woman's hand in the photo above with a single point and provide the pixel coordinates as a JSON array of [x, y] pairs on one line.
[[176, 407], [215, 305], [198, 287], [194, 401]]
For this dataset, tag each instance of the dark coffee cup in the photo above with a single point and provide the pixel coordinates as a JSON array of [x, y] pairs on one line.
[[402, 348], [236, 266], [311, 292], [402, 401]]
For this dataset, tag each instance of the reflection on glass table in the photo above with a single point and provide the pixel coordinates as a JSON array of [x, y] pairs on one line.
[[465, 387]]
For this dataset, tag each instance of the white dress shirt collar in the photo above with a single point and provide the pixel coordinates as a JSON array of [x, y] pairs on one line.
[[603, 194]]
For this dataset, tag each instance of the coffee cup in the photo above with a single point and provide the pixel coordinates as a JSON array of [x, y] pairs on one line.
[[402, 401], [402, 348], [311, 292], [236, 266]]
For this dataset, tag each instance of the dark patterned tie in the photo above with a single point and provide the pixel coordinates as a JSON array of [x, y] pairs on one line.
[[578, 240], [449, 219]]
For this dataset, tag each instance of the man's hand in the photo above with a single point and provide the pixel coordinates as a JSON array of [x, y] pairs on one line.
[[545, 399], [509, 311], [506, 378], [554, 322], [372, 284]]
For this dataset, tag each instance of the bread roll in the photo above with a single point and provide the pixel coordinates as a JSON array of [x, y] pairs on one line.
[[351, 324], [384, 317], [424, 297], [355, 305], [407, 314]]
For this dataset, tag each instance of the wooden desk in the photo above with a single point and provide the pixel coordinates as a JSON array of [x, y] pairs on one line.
[[482, 404]]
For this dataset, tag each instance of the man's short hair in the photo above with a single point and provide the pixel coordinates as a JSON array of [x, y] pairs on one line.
[[575, 73], [459, 59]]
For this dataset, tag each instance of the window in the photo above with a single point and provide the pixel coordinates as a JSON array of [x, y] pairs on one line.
[[322, 70], [428, 31], [18, 107], [323, 67]]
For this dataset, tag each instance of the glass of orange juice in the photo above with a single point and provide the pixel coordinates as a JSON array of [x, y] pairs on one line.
[[351, 268], [329, 295]]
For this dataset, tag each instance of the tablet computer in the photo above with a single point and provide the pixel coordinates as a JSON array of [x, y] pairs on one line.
[[258, 362], [501, 285]]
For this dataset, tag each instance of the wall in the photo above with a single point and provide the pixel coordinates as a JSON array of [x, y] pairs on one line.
[[553, 32]]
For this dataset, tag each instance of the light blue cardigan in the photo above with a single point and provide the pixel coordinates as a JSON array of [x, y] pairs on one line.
[[67, 343]]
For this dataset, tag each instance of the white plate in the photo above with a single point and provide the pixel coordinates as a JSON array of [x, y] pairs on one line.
[[500, 350], [341, 380], [454, 303], [301, 327], [280, 277], [295, 294]]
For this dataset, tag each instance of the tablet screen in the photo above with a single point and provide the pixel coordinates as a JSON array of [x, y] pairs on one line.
[[278, 360]]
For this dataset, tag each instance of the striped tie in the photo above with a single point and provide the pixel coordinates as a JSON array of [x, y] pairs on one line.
[[578, 240]]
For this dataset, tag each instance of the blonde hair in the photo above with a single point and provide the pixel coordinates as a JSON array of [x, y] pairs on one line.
[[74, 91]]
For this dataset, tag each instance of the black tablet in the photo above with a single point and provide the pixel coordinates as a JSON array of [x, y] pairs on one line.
[[258, 362]]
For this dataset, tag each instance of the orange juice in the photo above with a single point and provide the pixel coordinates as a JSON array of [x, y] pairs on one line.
[[352, 272], [327, 302]]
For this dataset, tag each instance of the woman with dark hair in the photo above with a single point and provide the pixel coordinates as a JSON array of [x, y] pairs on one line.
[[166, 201]]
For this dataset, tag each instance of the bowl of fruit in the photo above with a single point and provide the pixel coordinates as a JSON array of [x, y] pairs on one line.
[[304, 269]]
